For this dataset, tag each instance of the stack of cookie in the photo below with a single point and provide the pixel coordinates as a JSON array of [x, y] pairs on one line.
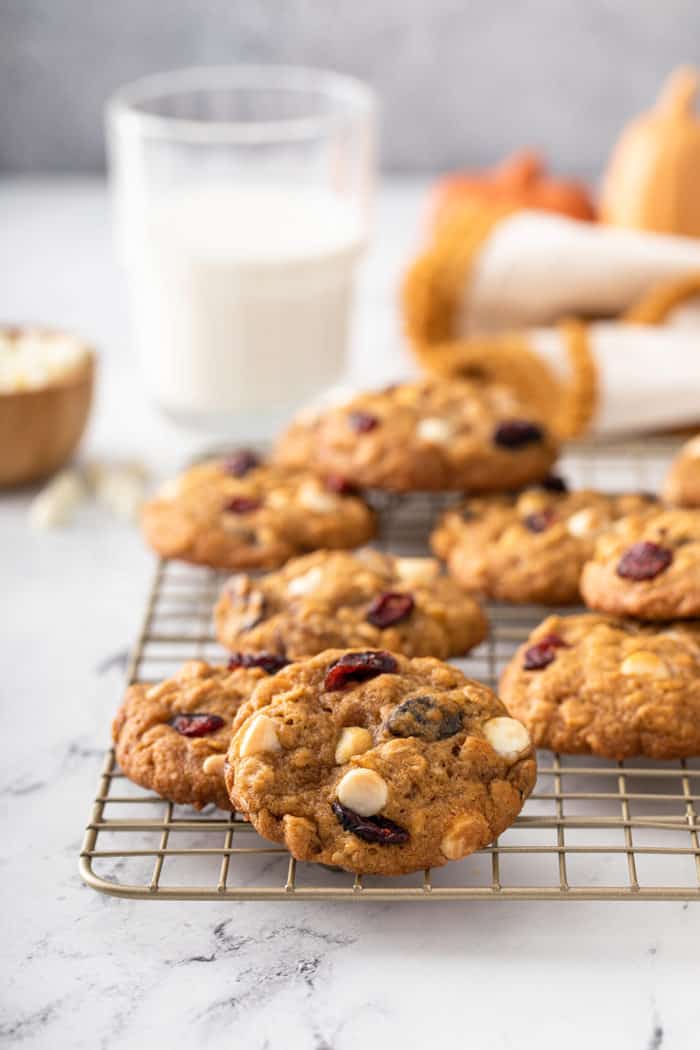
[[335, 727]]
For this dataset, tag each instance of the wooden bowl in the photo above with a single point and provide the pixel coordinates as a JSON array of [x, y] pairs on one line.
[[40, 427]]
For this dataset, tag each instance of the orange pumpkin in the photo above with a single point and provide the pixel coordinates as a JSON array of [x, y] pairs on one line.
[[653, 177], [521, 180]]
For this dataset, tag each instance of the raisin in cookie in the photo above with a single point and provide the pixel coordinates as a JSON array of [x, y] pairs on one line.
[[376, 763], [335, 599], [591, 684], [530, 546], [172, 737], [429, 435], [236, 513], [682, 485], [647, 566]]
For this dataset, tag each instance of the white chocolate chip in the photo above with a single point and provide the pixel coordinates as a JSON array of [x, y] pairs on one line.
[[417, 570], [214, 764], [692, 449], [313, 497], [121, 489], [434, 431], [532, 501], [508, 737], [353, 740], [464, 835], [363, 791], [277, 498], [405, 394], [261, 735], [582, 523], [305, 583], [504, 401], [643, 662], [58, 501]]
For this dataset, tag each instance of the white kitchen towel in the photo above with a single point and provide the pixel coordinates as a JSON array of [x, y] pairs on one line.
[[648, 375], [536, 268]]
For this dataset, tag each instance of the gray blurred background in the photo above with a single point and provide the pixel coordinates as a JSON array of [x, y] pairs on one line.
[[459, 82]]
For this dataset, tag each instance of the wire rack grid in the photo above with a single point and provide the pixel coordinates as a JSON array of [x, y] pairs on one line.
[[592, 829]]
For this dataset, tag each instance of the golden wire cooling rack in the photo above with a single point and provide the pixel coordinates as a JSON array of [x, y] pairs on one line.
[[593, 829]]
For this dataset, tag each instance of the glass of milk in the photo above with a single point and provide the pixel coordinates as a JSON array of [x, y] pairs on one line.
[[241, 201]]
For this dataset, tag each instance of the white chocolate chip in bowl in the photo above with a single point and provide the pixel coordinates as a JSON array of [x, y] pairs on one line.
[[353, 740], [434, 431], [305, 583], [643, 662], [508, 737], [417, 570], [363, 791], [312, 497], [261, 735]]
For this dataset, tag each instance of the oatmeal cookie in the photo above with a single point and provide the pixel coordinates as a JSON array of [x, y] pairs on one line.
[[595, 685], [238, 513], [429, 435], [647, 566], [528, 546], [373, 762], [335, 599], [172, 737], [682, 485]]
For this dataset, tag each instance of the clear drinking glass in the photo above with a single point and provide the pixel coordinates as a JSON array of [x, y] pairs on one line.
[[241, 201]]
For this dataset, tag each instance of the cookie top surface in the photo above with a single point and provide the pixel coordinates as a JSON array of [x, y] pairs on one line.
[[429, 435], [373, 762], [236, 513], [172, 738], [647, 566], [337, 599], [529, 546], [682, 485], [591, 684]]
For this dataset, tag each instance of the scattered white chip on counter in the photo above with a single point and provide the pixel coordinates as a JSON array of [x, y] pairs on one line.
[[58, 501], [121, 488]]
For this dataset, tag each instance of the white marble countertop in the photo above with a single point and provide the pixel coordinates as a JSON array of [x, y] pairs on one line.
[[82, 970]]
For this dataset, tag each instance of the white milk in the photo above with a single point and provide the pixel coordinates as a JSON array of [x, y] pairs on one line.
[[241, 300]]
